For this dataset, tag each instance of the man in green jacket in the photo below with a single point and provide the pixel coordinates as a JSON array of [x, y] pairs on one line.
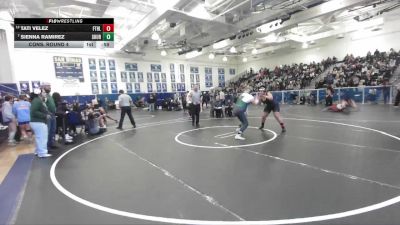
[[51, 107], [39, 117]]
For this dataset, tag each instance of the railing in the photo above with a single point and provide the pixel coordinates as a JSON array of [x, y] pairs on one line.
[[367, 94]]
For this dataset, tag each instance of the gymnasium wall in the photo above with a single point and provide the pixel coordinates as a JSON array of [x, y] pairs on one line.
[[38, 65], [6, 46]]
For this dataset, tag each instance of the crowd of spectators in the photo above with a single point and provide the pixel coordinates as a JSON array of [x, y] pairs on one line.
[[284, 77], [33, 114], [370, 70]]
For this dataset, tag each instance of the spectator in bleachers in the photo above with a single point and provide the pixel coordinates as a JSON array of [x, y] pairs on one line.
[[218, 104], [9, 119], [285, 77], [362, 71], [21, 110]]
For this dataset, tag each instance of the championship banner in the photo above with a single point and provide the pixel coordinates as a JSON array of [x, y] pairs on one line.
[[131, 67], [149, 87], [68, 67], [172, 77], [163, 77], [92, 64], [137, 88], [129, 88], [104, 88], [111, 64], [93, 76], [132, 77], [149, 77], [95, 88], [194, 69], [35, 84], [113, 76], [124, 77], [114, 88], [158, 85], [156, 77], [155, 68], [140, 77], [102, 64], [103, 76], [24, 86], [173, 87], [232, 72]]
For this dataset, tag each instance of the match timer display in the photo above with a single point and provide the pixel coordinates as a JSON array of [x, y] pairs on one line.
[[63, 33]]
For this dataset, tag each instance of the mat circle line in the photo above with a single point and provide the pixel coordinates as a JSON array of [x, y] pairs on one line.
[[229, 146], [212, 222]]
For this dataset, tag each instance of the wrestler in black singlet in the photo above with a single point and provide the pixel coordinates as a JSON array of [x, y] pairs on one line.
[[271, 105]]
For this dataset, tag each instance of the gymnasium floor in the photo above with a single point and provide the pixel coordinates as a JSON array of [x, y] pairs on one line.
[[328, 168]]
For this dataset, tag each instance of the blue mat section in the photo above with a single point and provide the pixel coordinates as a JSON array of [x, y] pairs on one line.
[[12, 187]]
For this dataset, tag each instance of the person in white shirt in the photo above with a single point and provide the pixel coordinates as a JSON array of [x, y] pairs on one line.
[[125, 102], [222, 96], [194, 97]]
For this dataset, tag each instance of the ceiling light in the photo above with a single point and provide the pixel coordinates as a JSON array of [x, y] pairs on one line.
[[244, 59], [305, 45], [88, 1], [254, 51], [270, 38], [193, 54], [211, 56], [155, 36], [376, 29], [221, 44], [225, 59], [233, 49], [163, 53], [200, 12]]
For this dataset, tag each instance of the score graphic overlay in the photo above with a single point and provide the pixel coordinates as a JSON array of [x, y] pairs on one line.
[[63, 33]]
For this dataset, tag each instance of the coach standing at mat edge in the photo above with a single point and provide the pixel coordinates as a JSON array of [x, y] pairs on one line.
[[125, 102]]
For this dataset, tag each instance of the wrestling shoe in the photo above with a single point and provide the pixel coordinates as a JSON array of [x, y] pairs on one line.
[[239, 137]]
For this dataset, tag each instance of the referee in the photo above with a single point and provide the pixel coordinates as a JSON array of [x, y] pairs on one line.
[[195, 97], [125, 102]]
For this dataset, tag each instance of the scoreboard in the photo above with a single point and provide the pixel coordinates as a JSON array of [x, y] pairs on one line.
[[63, 33]]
